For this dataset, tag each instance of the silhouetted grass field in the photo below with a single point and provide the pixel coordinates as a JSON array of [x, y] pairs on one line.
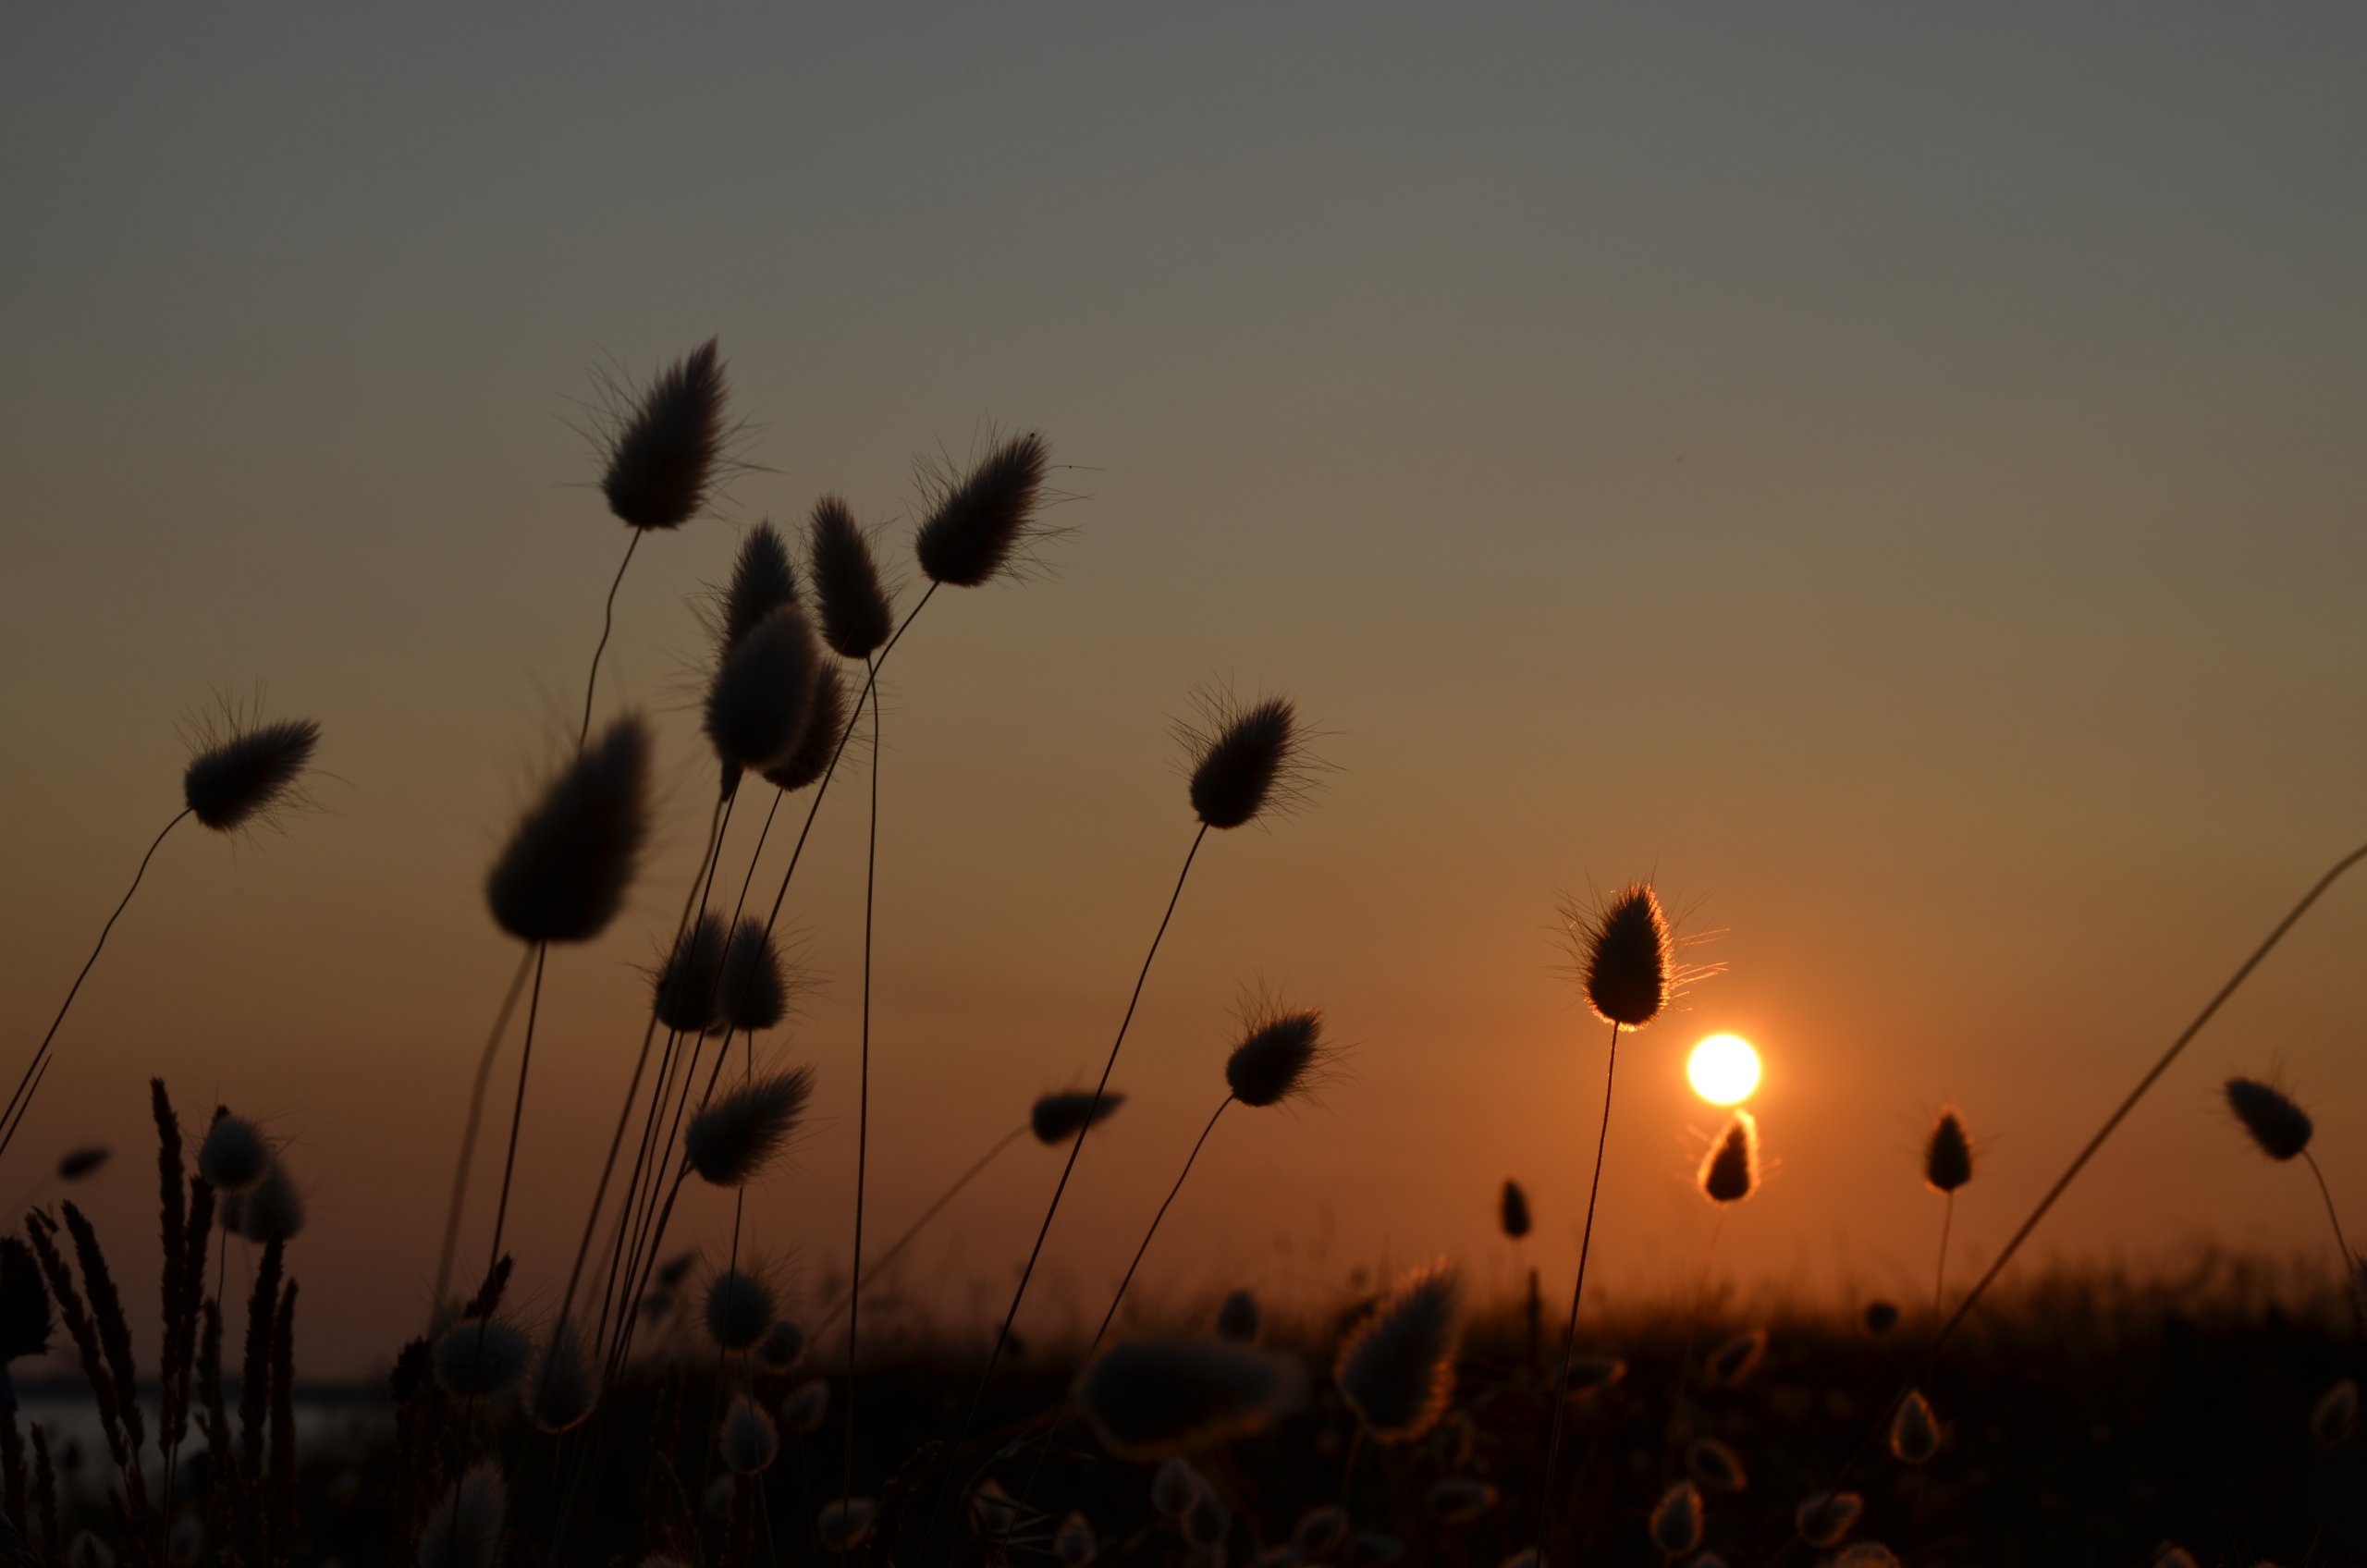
[[674, 1410]]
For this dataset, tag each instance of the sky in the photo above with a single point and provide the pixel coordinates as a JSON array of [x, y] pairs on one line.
[[1889, 476]]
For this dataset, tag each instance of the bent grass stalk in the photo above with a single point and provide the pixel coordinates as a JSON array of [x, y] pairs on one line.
[[1558, 1393], [863, 1112]]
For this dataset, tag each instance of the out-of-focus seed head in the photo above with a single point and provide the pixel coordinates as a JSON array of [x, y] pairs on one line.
[[1735, 1359], [76, 1164], [1827, 1518], [1238, 1318], [803, 1412], [1511, 1211], [780, 1350], [1174, 1487], [2277, 1125], [1458, 1499], [1320, 1530], [1914, 1431], [480, 1358], [1947, 1153], [1716, 1465], [846, 1523], [1073, 1544], [748, 1443], [1396, 1369], [465, 1529], [234, 1155], [979, 523], [1056, 1117], [1881, 1316], [2335, 1416], [739, 1311], [563, 1387], [1283, 1055]]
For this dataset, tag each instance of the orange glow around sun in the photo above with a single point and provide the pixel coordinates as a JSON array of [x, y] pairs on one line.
[[1723, 1068]]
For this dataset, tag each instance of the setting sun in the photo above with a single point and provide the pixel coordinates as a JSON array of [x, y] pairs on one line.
[[1723, 1068]]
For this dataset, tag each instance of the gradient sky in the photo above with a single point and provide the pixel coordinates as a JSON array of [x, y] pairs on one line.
[[1892, 475]]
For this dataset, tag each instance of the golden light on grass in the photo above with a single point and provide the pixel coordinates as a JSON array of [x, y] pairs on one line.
[[1723, 1068]]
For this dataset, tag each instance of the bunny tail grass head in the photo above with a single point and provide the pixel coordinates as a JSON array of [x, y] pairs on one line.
[[238, 777], [846, 1523], [1148, 1398], [978, 523], [1511, 1211], [684, 998], [273, 1210], [2281, 1128], [1175, 1486], [1283, 1055], [749, 1441], [730, 1142], [1238, 1318], [762, 697], [234, 1155], [563, 875], [1716, 1465], [739, 1311], [1396, 1369], [1056, 1117], [465, 1529], [76, 1164], [563, 1387], [856, 617], [1676, 1522], [780, 1350], [1947, 1153], [26, 1322], [663, 455], [763, 580], [1730, 1171], [752, 991], [1914, 1431], [1247, 759], [480, 1358], [2335, 1416], [826, 721], [1735, 1359], [1626, 955], [1826, 1519]]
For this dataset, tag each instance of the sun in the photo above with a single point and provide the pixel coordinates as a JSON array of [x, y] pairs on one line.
[[1723, 1068]]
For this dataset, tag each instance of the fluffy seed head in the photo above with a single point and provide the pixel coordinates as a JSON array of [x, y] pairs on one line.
[[1676, 1522], [1244, 759], [1626, 956], [1914, 1431], [481, 1358], [2335, 1416], [465, 1529], [563, 1388], [78, 1163], [980, 521], [782, 1349], [1147, 1399], [1716, 1465], [1320, 1529], [749, 1444], [739, 1311], [234, 780], [1238, 1318], [2281, 1128], [758, 706], [846, 1523], [1511, 1211], [753, 994], [1174, 1487], [1827, 1517], [1881, 1316], [1281, 1057], [825, 720], [1396, 1369], [563, 875], [1947, 1153], [662, 457], [1730, 1171], [684, 995], [1591, 1374], [1458, 1499], [733, 1138], [856, 617], [184, 1541], [1208, 1521], [803, 1412], [1073, 1543], [233, 1156], [272, 1209], [761, 582], [1056, 1118], [1735, 1359], [25, 1319]]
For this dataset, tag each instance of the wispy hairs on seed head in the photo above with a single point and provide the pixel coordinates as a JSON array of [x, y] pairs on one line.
[[1147, 1399], [1283, 1054], [664, 447], [465, 1529], [234, 1155], [1947, 1152], [1246, 760], [1730, 1171], [1623, 954], [1826, 1518], [1238, 1318], [732, 1140], [761, 582], [563, 875], [762, 697], [1676, 1522], [242, 771], [270, 1210], [1058, 1117], [75, 1164], [1914, 1431], [1396, 1369], [2278, 1126], [749, 1441], [980, 524], [563, 1387], [826, 722], [856, 615], [739, 1310], [1716, 1465], [752, 993], [683, 995]]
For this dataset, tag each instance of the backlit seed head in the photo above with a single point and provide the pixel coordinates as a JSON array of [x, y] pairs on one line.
[[2281, 1128], [1675, 1523], [1730, 1171], [1511, 1211], [1914, 1431], [1245, 759], [1396, 1369], [1056, 1117], [1947, 1153], [663, 451], [1626, 956], [1827, 1518]]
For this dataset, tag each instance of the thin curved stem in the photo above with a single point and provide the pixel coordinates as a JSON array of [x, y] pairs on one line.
[[21, 1100], [1076, 1145], [608, 621], [1111, 1317], [863, 1101], [1940, 1275], [1559, 1393], [469, 1133], [2350, 1265], [518, 1107]]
